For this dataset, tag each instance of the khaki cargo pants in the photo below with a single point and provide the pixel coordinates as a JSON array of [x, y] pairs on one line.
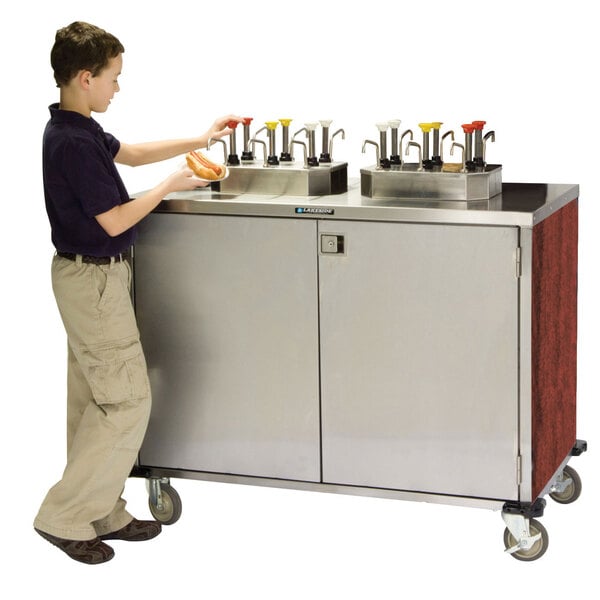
[[108, 399]]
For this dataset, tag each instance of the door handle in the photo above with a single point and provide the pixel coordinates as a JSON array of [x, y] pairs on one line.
[[332, 243]]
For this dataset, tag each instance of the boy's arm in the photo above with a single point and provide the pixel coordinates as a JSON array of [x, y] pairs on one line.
[[135, 155], [150, 152]]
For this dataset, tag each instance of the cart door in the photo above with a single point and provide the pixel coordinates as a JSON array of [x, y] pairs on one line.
[[419, 332], [227, 310]]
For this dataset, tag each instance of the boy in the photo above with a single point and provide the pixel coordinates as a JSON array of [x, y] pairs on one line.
[[93, 226]]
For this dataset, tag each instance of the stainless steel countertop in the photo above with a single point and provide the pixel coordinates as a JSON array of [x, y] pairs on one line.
[[519, 204]]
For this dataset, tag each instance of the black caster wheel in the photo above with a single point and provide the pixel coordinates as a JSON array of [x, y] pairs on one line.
[[170, 510], [573, 489], [539, 546]]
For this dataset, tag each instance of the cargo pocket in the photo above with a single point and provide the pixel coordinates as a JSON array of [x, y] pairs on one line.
[[117, 373]]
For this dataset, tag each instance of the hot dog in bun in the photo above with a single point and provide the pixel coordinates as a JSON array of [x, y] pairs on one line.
[[204, 168]]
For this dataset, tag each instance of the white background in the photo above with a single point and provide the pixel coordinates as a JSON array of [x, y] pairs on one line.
[[528, 68]]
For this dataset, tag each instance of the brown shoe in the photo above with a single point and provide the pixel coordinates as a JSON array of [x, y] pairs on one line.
[[91, 552], [136, 531]]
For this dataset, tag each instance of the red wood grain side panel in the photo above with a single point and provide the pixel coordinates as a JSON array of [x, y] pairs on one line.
[[554, 342]]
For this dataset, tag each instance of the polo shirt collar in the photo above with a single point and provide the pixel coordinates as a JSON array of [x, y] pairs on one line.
[[70, 117]]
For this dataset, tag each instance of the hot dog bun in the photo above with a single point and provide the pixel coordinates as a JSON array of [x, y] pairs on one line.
[[203, 167]]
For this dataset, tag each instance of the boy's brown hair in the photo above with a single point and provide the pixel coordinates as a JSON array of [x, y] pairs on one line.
[[81, 46]]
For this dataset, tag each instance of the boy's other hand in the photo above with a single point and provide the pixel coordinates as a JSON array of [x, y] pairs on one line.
[[220, 127], [184, 179]]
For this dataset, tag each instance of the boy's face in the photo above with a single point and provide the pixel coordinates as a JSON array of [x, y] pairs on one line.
[[104, 86]]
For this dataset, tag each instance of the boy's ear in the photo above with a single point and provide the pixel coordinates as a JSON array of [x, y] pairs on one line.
[[83, 78]]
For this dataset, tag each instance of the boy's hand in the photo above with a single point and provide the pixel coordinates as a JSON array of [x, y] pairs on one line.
[[183, 180], [220, 129]]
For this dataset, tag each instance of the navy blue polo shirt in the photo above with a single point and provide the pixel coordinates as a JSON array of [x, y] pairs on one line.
[[81, 181]]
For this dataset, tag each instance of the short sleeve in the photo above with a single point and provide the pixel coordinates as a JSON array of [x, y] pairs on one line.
[[113, 144], [90, 176]]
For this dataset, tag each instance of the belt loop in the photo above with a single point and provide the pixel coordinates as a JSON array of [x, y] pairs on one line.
[[78, 260], [112, 262]]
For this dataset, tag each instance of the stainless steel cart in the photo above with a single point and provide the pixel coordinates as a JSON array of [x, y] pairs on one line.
[[419, 350]]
